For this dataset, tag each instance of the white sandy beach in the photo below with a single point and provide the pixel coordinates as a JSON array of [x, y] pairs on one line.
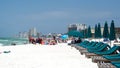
[[43, 56]]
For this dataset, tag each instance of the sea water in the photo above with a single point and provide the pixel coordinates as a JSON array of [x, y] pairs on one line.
[[6, 41]]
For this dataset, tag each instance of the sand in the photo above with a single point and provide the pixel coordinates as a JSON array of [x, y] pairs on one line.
[[43, 56]]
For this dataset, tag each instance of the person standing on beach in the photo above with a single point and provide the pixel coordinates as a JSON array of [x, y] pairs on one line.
[[55, 41], [30, 39], [79, 40]]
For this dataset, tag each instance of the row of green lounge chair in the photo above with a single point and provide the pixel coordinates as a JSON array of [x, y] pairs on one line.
[[101, 53]]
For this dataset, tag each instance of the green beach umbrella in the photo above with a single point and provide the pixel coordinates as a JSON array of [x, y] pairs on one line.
[[84, 33], [64, 37], [96, 31], [106, 32], [112, 31], [89, 34], [99, 31]]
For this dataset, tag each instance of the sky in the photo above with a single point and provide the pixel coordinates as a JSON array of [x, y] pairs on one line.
[[55, 15]]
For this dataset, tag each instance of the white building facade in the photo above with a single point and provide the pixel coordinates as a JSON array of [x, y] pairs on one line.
[[77, 27]]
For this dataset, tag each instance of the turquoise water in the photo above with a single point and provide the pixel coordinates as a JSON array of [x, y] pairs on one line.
[[5, 41]]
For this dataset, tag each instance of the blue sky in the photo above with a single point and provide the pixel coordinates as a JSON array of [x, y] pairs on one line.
[[55, 15]]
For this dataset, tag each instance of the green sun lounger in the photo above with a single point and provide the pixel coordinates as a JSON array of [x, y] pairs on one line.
[[96, 46], [89, 44], [83, 43], [107, 52], [117, 64], [100, 48], [114, 57]]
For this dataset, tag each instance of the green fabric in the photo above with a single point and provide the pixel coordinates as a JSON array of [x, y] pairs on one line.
[[89, 34], [75, 33], [99, 31], [106, 32], [112, 31]]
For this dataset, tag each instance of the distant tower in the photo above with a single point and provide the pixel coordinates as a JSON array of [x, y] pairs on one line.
[[25, 34], [33, 32], [20, 35]]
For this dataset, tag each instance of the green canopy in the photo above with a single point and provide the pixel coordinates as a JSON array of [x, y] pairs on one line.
[[75, 33]]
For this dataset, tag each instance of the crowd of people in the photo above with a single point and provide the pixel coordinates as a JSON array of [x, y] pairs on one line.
[[53, 40], [46, 41], [76, 40]]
